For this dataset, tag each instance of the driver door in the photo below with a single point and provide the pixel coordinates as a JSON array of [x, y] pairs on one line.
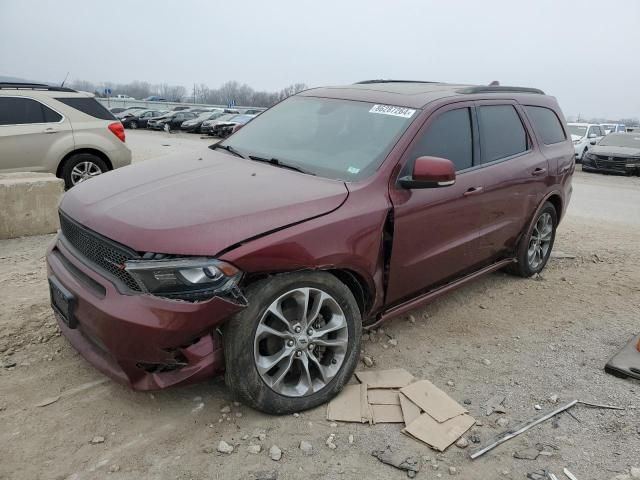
[[436, 237]]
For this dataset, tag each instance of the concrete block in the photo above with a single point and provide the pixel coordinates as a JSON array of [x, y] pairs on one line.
[[29, 204]]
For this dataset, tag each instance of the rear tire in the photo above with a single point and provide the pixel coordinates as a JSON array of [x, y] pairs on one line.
[[81, 167], [536, 245], [280, 371]]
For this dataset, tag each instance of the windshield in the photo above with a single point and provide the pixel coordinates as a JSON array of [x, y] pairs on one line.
[[620, 140], [579, 130], [339, 139]]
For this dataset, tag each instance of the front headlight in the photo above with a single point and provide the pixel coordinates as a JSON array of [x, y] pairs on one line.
[[186, 278]]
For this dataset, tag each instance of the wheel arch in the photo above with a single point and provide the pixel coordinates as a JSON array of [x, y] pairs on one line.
[[91, 151]]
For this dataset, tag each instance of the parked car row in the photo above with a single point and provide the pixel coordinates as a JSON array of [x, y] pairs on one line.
[[218, 122], [585, 134]]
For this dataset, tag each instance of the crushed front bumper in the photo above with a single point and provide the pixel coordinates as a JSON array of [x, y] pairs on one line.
[[141, 340]]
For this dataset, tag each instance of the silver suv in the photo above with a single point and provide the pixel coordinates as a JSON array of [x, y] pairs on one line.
[[58, 130]]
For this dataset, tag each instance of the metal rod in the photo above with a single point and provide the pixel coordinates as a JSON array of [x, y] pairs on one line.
[[523, 427]]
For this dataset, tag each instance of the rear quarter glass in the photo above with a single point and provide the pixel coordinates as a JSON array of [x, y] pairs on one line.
[[88, 106]]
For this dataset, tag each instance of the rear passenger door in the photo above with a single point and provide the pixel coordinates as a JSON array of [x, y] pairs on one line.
[[513, 173], [30, 133]]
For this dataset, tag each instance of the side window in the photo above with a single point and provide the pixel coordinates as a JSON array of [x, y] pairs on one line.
[[598, 132], [547, 124], [501, 132], [22, 111], [448, 136], [88, 106]]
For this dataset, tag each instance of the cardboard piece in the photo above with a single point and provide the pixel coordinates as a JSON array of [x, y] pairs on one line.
[[346, 407], [387, 414], [438, 435], [410, 411], [395, 378], [381, 396], [433, 400]]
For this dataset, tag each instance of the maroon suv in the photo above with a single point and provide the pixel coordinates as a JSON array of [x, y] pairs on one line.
[[266, 255]]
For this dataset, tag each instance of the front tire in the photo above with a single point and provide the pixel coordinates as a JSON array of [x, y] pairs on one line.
[[133, 125], [295, 345], [536, 245], [81, 167]]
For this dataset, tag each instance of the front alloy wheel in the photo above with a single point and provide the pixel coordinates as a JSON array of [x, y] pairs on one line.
[[301, 342], [295, 345]]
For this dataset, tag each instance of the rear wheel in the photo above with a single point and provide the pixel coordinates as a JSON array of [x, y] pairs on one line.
[[536, 245], [295, 345], [81, 167]]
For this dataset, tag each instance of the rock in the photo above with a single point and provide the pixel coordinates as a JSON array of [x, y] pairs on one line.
[[9, 364], [635, 472], [330, 443], [97, 439], [483, 307], [333, 425], [486, 361], [393, 342], [451, 383], [537, 407], [266, 475], [275, 453], [467, 401], [368, 361], [306, 447], [553, 398], [452, 470], [412, 319], [296, 415], [527, 454], [475, 438], [462, 443], [224, 447], [236, 404], [350, 438], [502, 422], [244, 437], [254, 449], [225, 409], [114, 468], [538, 475]]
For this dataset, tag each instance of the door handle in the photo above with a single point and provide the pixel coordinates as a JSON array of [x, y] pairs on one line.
[[539, 171], [473, 191], [50, 130]]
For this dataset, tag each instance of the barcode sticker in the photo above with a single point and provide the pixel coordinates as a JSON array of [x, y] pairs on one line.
[[392, 110]]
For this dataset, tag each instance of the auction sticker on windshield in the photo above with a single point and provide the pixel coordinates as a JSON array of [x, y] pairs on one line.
[[391, 110]]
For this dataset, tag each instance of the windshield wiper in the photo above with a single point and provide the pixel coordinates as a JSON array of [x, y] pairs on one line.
[[278, 163], [228, 148]]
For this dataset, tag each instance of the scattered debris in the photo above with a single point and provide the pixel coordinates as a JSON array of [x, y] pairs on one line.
[[462, 443], [225, 409], [197, 408], [597, 405], [475, 438], [266, 475], [306, 447], [486, 361], [537, 407], [393, 342], [394, 378], [502, 422], [553, 398], [351, 439], [399, 460], [330, 442], [254, 449], [97, 439], [114, 468], [48, 401], [495, 404], [224, 447], [368, 361], [453, 470], [569, 474], [275, 453], [538, 475], [520, 429], [527, 454], [451, 383]]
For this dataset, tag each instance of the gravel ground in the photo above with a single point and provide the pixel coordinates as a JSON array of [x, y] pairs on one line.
[[525, 339]]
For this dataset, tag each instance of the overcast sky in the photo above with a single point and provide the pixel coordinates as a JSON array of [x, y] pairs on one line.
[[586, 53]]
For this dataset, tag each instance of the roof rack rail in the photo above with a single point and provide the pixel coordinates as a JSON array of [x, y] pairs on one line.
[[33, 86], [365, 82], [500, 89]]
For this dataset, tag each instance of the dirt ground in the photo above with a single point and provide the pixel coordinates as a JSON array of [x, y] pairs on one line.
[[524, 339]]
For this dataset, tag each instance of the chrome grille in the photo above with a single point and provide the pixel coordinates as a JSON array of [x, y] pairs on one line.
[[611, 163], [102, 252]]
